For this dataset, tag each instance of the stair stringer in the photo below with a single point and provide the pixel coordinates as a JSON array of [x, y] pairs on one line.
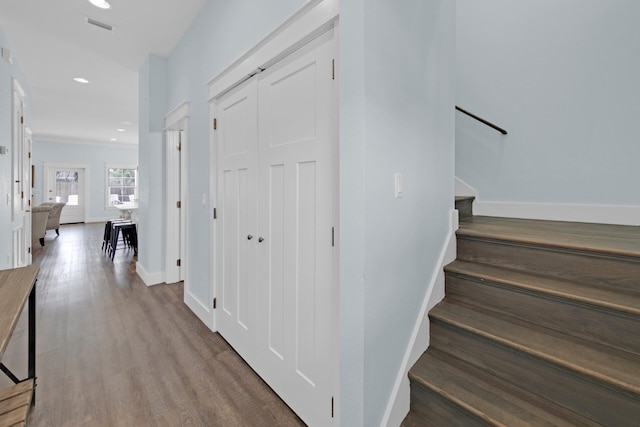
[[399, 400], [464, 189]]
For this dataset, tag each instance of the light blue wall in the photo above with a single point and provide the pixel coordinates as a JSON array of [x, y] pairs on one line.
[[95, 157], [563, 79], [409, 129], [351, 240], [152, 98], [7, 73]]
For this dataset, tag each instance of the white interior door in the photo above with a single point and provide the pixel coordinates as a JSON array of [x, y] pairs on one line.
[[176, 207], [275, 139], [28, 184], [237, 210], [20, 182], [295, 291], [17, 160], [66, 185]]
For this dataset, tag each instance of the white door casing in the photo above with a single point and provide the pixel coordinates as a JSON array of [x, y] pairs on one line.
[[276, 145]]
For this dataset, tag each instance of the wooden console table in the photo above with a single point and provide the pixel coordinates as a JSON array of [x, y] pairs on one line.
[[17, 285]]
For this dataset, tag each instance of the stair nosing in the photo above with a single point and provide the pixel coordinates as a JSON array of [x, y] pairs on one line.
[[599, 377]]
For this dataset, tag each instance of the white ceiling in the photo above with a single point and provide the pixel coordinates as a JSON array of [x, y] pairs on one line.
[[53, 43]]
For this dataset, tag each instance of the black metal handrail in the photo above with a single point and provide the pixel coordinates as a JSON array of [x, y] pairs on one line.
[[480, 119]]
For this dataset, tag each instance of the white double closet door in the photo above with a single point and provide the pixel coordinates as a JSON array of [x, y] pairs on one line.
[[276, 141]]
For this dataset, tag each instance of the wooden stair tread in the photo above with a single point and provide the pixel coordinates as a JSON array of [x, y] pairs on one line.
[[493, 401], [617, 240], [628, 303], [414, 419], [15, 402], [607, 365]]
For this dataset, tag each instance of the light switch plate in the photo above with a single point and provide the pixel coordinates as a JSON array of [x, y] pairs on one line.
[[399, 185]]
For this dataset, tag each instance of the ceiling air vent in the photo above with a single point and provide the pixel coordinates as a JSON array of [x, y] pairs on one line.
[[100, 24]]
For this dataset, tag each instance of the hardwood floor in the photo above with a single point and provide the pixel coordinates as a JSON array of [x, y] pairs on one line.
[[114, 352]]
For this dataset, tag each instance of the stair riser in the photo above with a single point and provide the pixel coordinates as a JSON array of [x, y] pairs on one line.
[[439, 411], [601, 326], [568, 389], [465, 208], [588, 269]]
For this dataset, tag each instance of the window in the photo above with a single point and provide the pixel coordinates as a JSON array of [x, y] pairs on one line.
[[122, 184]]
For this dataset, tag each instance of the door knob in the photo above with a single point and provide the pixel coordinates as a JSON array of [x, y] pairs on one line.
[[249, 237], [260, 239]]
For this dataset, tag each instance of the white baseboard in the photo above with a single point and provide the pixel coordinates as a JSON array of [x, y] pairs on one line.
[[398, 405], [603, 214], [149, 279], [204, 313]]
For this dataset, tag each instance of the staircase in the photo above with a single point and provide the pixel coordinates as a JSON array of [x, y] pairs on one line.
[[540, 326]]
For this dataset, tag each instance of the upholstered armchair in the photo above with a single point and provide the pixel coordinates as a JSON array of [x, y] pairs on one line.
[[39, 216], [53, 222]]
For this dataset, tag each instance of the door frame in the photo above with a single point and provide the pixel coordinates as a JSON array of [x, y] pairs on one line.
[[177, 165], [313, 19], [46, 170]]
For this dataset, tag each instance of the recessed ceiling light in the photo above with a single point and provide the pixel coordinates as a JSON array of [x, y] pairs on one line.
[[113, 139], [102, 4], [120, 130], [80, 80]]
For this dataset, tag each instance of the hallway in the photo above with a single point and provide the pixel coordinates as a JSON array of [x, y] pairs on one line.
[[114, 352]]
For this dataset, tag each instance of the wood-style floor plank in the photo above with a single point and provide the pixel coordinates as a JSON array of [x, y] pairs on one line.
[[114, 352]]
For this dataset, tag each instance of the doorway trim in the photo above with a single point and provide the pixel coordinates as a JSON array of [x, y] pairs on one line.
[[46, 169]]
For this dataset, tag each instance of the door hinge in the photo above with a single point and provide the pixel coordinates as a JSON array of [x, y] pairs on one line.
[[333, 237], [29, 154], [215, 302], [29, 249], [333, 69], [178, 204], [22, 194], [179, 146], [215, 213], [21, 120], [215, 123], [178, 262], [332, 407]]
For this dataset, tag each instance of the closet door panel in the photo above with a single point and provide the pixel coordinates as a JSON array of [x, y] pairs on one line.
[[274, 281], [295, 201], [237, 210]]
